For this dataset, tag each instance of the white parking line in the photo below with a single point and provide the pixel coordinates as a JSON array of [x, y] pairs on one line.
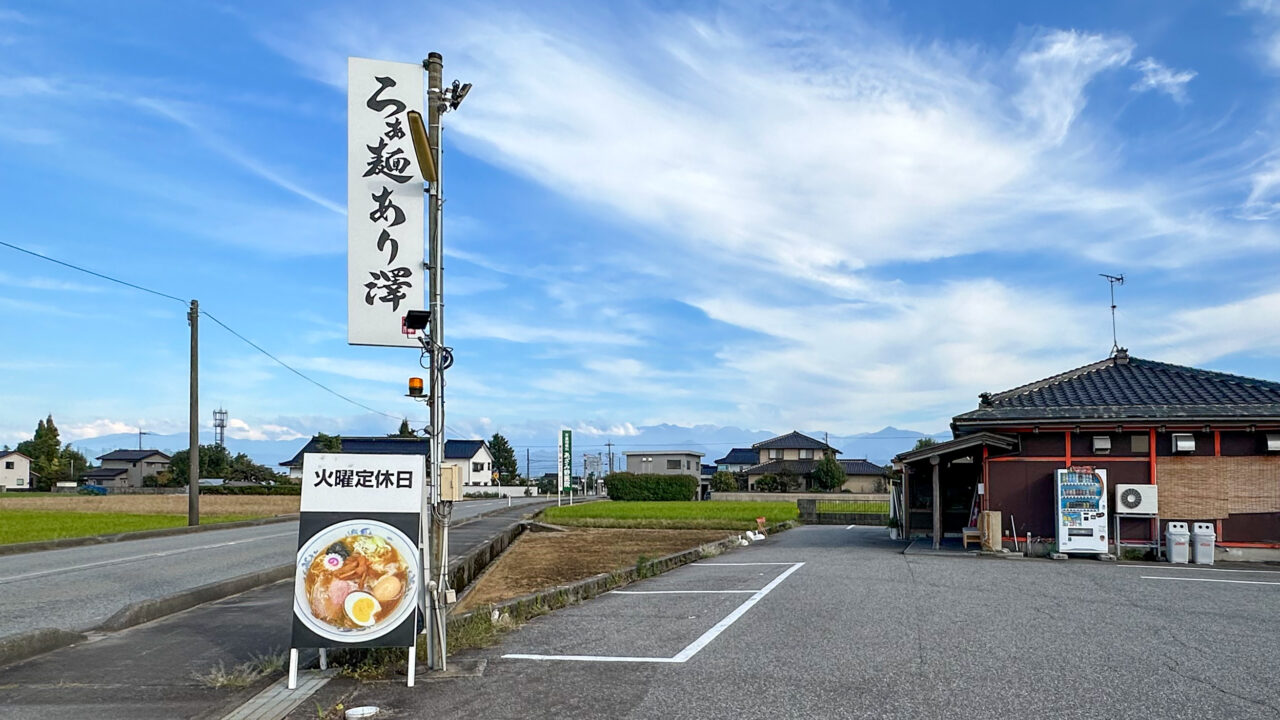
[[735, 564], [1196, 568], [1238, 582], [681, 592], [693, 647]]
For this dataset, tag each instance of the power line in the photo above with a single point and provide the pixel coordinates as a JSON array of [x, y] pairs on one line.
[[226, 327], [90, 272], [299, 373]]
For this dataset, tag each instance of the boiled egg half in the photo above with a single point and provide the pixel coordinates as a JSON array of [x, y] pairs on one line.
[[361, 607]]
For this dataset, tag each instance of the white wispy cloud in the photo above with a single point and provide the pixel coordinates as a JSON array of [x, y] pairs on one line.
[[171, 110], [37, 282], [1057, 66], [1268, 28], [800, 165], [1156, 76], [241, 430]]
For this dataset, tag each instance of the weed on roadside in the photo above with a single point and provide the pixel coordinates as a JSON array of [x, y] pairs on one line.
[[243, 674]]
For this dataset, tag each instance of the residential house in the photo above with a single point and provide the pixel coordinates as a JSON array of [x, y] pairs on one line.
[[1210, 442], [864, 476], [15, 471], [738, 460], [127, 468], [797, 455], [473, 460]]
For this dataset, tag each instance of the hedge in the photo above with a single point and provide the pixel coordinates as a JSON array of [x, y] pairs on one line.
[[251, 490], [626, 486]]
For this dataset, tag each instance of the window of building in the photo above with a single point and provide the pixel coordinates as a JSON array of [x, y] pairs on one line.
[[806, 454], [688, 464], [8, 464], [673, 464], [775, 454], [477, 467]]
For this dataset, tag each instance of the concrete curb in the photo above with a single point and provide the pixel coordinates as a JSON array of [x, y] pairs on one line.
[[495, 511], [22, 646], [148, 610], [42, 545], [35, 642], [564, 595]]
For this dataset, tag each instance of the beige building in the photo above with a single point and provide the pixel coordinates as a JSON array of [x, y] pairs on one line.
[[664, 462], [15, 471], [127, 468]]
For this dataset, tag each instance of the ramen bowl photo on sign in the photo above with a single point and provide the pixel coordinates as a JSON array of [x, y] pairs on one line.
[[356, 581]]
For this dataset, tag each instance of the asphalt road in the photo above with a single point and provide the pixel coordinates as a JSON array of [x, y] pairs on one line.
[[861, 631], [78, 588]]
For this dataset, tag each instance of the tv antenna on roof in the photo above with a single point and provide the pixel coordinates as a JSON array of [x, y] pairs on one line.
[[1113, 280]]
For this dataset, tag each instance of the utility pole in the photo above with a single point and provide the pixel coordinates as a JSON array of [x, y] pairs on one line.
[[193, 453], [528, 476], [610, 446], [437, 104]]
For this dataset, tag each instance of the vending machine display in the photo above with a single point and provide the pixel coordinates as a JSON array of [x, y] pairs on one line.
[[1082, 510]]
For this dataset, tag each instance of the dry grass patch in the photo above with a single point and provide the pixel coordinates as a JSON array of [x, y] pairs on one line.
[[537, 561], [248, 505]]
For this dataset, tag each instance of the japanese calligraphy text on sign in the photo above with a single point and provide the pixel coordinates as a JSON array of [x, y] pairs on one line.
[[348, 482], [385, 203]]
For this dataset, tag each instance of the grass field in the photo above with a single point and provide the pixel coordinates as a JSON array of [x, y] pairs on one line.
[[27, 517], [851, 506], [716, 515], [29, 525], [249, 505]]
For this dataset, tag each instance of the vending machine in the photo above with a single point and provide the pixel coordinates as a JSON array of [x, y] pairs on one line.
[[1082, 510]]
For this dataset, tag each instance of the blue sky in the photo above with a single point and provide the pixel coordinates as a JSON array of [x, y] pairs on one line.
[[764, 215]]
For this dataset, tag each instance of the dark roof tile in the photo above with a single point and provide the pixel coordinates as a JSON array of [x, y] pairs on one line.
[[740, 456], [131, 455], [792, 439], [1127, 387]]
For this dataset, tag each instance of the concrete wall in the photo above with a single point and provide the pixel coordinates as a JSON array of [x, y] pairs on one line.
[[861, 483], [506, 490]]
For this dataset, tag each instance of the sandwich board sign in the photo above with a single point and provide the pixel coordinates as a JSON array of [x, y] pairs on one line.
[[385, 203], [358, 568]]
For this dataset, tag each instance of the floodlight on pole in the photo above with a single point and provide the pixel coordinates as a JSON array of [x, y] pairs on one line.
[[422, 147]]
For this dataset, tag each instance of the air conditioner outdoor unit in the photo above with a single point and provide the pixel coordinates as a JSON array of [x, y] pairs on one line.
[[1184, 442], [1273, 442], [1137, 500]]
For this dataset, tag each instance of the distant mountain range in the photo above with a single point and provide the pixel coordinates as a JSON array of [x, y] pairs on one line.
[[713, 440]]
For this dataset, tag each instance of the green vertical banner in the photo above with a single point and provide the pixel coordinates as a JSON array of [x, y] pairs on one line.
[[566, 459]]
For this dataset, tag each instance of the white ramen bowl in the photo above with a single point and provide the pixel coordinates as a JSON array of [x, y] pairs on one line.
[[328, 536]]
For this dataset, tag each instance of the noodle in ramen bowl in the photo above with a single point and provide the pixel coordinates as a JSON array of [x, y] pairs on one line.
[[355, 581]]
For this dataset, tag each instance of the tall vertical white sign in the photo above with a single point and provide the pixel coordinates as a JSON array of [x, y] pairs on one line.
[[385, 203]]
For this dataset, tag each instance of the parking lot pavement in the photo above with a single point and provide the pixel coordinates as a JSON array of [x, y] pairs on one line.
[[862, 631]]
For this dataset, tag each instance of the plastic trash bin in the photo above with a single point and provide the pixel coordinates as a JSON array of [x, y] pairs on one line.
[[1203, 537], [1177, 542]]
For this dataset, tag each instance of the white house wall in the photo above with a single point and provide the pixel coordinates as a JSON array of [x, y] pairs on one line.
[[18, 477]]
